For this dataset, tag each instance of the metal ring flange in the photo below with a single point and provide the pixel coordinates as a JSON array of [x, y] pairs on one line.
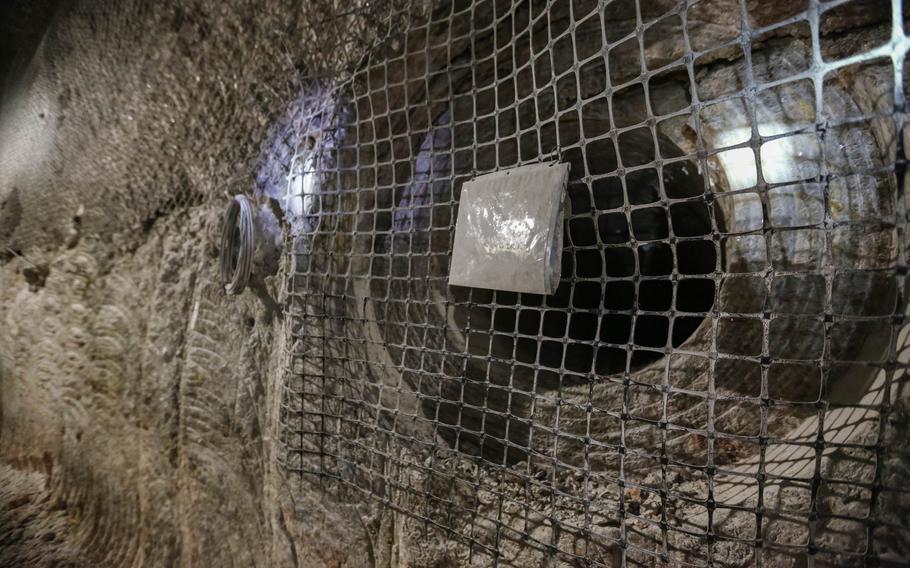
[[237, 245]]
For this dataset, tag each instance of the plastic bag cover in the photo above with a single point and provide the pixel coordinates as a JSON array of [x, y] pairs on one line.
[[509, 230]]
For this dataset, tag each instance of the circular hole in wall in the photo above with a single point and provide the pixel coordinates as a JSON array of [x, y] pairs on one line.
[[643, 259], [637, 281]]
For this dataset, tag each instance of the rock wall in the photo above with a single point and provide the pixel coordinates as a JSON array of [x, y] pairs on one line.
[[137, 400], [138, 403]]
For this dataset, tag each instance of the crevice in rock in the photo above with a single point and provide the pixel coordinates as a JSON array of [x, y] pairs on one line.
[[36, 276]]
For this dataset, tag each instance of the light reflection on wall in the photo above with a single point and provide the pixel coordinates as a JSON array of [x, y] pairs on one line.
[[301, 197], [293, 155], [794, 160], [788, 159]]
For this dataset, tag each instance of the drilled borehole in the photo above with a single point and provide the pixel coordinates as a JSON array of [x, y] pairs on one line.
[[638, 270], [637, 280]]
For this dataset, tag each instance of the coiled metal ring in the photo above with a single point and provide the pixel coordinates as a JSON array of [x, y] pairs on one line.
[[237, 245]]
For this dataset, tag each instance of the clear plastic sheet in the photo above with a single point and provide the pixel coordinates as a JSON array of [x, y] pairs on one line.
[[509, 230]]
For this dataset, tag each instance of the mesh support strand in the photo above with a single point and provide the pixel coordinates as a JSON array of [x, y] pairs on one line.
[[719, 378]]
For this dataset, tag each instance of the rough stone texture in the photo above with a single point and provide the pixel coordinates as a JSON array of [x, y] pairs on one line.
[[138, 403], [137, 400]]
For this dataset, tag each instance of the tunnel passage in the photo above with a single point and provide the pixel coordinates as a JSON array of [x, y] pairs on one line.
[[637, 281], [649, 249], [638, 267]]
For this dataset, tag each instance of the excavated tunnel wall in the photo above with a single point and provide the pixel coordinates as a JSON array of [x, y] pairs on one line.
[[381, 418]]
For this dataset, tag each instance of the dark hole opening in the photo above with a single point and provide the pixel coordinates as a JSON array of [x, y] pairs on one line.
[[627, 264], [637, 278]]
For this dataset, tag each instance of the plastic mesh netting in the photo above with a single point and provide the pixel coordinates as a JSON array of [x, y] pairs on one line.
[[719, 378]]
